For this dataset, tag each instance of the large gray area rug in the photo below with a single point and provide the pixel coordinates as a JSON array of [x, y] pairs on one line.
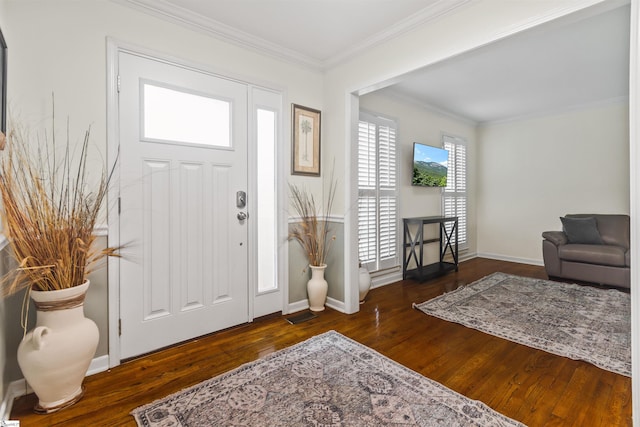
[[578, 322], [328, 380]]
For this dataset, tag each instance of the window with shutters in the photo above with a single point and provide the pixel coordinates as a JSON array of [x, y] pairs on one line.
[[377, 193], [454, 196]]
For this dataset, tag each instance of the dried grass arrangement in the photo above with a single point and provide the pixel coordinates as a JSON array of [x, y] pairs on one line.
[[49, 211], [312, 232]]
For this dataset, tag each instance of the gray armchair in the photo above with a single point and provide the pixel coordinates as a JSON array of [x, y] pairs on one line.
[[591, 248]]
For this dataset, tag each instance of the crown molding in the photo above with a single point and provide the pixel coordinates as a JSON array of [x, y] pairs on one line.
[[394, 94], [194, 21], [186, 18], [603, 103], [586, 8], [406, 25]]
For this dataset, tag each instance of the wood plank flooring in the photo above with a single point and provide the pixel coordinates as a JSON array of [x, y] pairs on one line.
[[531, 386]]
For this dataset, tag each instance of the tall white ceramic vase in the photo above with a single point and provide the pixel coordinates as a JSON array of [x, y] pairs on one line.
[[56, 354], [317, 288]]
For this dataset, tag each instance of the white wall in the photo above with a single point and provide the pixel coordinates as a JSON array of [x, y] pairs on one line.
[[471, 26], [531, 172], [60, 47], [417, 123]]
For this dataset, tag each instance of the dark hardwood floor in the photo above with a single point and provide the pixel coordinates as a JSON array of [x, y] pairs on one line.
[[531, 386]]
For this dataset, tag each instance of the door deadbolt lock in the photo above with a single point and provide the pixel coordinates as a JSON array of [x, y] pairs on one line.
[[242, 216], [241, 199]]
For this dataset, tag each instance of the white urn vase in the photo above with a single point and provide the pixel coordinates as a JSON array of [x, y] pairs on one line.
[[317, 288], [56, 354], [364, 283]]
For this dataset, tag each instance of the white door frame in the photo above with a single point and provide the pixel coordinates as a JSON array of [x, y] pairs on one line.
[[634, 172], [114, 48]]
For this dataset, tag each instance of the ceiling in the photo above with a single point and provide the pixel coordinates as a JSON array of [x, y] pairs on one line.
[[573, 61], [563, 65]]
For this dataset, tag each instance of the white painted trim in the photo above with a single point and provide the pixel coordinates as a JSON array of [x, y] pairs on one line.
[[588, 7], [394, 275], [216, 71], [194, 21], [98, 364], [508, 258], [15, 390], [335, 304], [283, 226], [396, 95], [301, 305], [428, 14], [114, 48], [331, 218], [113, 220], [618, 100], [294, 307], [261, 303], [388, 277], [99, 230], [19, 388], [634, 179], [351, 263]]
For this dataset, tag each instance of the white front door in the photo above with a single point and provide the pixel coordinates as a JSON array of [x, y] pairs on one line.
[[183, 171]]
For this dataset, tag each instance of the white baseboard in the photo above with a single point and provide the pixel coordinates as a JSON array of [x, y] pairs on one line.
[[294, 307], [304, 305], [98, 364], [336, 305], [378, 280], [511, 259], [14, 390], [20, 387]]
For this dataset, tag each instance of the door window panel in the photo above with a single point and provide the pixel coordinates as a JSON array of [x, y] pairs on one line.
[[175, 116]]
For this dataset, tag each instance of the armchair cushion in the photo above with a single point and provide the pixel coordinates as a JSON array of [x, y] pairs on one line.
[[601, 254], [556, 237], [581, 230]]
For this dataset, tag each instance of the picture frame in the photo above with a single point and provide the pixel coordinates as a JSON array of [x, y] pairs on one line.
[[306, 141], [3, 84]]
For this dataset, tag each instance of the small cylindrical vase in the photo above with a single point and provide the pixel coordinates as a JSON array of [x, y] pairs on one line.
[[364, 283], [317, 288], [56, 354]]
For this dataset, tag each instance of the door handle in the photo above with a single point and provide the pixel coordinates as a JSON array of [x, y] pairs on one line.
[[242, 216]]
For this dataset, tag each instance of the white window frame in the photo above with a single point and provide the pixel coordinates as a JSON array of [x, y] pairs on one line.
[[379, 192], [455, 197]]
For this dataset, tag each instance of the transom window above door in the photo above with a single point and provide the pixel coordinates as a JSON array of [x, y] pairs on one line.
[[181, 117]]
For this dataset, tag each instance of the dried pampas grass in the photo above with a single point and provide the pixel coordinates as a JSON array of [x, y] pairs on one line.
[[49, 210], [312, 232]]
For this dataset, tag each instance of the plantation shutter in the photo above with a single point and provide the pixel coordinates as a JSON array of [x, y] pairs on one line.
[[454, 196], [377, 193]]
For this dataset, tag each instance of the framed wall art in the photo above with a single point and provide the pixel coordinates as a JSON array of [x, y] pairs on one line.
[[3, 84], [306, 141]]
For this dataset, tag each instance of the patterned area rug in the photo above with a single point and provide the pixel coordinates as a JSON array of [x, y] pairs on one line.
[[328, 380], [579, 322]]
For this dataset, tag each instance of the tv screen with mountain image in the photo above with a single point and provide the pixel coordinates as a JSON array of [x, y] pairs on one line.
[[429, 166]]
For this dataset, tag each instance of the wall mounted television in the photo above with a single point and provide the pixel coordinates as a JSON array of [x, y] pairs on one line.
[[429, 166]]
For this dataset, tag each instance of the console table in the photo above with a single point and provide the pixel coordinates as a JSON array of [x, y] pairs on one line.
[[448, 242]]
